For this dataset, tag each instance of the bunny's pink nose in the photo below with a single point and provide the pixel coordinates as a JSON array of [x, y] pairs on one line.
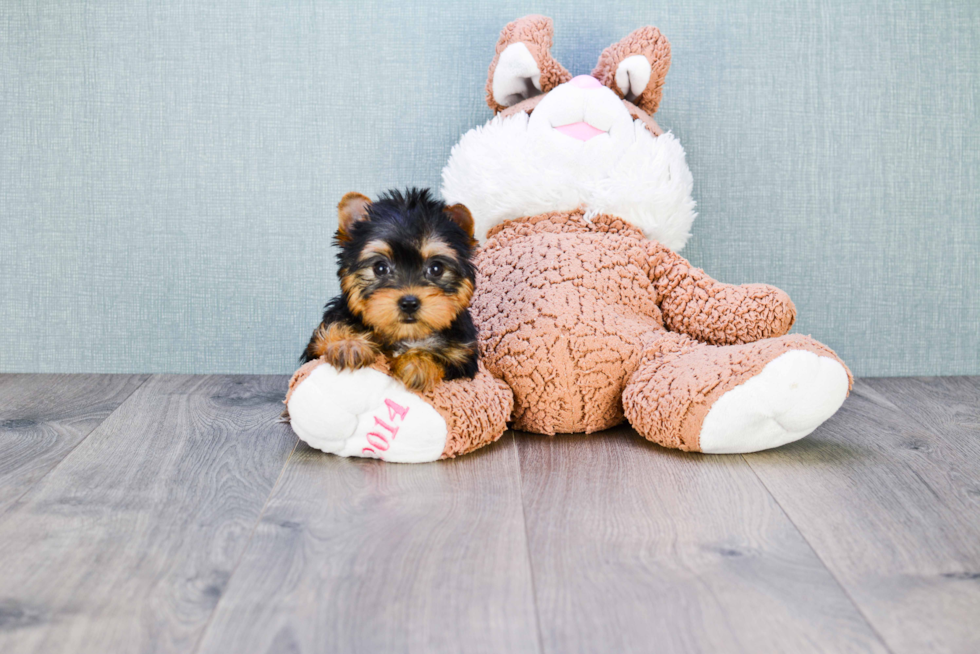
[[585, 82]]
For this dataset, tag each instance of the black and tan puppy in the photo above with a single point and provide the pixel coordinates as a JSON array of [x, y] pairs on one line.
[[406, 278]]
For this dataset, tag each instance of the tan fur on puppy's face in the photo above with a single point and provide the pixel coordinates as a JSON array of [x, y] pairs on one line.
[[351, 285], [375, 248], [435, 247], [437, 311]]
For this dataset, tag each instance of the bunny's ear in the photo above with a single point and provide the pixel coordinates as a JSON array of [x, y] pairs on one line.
[[635, 67], [522, 67]]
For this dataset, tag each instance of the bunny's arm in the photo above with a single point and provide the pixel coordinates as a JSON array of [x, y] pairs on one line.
[[712, 312]]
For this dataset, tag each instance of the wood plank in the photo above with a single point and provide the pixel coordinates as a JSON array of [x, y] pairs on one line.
[[635, 548], [888, 494], [127, 545], [947, 406], [356, 555], [43, 417]]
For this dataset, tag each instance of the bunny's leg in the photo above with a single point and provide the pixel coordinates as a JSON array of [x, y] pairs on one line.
[[735, 398], [367, 413]]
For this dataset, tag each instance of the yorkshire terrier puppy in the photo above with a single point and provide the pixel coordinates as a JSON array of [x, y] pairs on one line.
[[406, 277]]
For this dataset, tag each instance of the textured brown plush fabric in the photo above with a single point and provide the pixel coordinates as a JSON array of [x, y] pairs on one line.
[[536, 32], [646, 41], [562, 309], [712, 312], [569, 309], [679, 379], [475, 410]]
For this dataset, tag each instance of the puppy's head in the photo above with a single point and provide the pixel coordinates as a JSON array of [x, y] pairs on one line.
[[405, 262]]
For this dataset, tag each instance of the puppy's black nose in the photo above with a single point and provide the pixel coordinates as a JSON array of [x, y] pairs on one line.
[[409, 303]]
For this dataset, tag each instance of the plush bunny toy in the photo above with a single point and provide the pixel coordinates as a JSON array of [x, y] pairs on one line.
[[587, 316]]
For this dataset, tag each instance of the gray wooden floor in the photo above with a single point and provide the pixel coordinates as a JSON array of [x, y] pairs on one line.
[[176, 514]]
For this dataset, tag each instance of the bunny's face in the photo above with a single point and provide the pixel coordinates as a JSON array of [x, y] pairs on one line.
[[558, 143], [583, 109]]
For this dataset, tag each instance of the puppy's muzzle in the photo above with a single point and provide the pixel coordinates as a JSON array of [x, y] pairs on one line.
[[409, 305]]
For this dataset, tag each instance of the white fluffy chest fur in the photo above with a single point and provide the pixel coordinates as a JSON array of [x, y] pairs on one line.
[[521, 165]]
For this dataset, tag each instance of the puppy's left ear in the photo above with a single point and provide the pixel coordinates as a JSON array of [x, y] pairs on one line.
[[460, 215], [352, 209]]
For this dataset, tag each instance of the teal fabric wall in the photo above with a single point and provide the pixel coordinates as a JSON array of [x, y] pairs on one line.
[[168, 170]]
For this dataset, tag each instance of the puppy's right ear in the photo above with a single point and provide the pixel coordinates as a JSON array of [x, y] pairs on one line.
[[352, 209], [522, 66]]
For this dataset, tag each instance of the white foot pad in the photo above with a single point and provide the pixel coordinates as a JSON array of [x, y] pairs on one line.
[[787, 400], [365, 413]]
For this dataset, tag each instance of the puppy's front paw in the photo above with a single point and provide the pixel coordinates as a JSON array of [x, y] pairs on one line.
[[343, 347], [419, 371], [349, 354]]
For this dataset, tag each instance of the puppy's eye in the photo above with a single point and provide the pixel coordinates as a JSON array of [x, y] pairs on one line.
[[381, 269], [434, 270]]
